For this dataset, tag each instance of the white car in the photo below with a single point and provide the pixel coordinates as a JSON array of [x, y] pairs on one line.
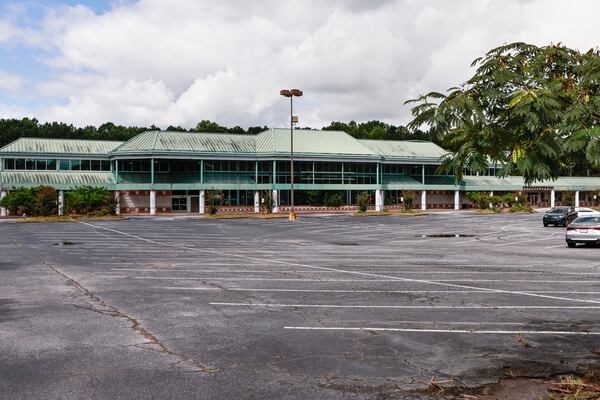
[[586, 212]]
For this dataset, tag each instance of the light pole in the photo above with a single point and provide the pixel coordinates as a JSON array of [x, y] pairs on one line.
[[291, 93]]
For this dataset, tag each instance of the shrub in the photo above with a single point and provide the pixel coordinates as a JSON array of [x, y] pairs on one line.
[[480, 199], [568, 198], [363, 201], [46, 199], [267, 204], [313, 197], [497, 201], [521, 208], [409, 198], [214, 201], [87, 199], [333, 200], [20, 201], [509, 198]]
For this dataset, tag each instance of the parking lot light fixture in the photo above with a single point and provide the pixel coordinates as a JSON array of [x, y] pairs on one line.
[[291, 93]]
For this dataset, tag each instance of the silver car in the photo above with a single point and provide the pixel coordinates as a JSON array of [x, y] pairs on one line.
[[583, 230]]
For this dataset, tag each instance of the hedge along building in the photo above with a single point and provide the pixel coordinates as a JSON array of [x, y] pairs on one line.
[[159, 171]]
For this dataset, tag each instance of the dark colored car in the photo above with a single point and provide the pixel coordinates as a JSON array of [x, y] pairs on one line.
[[559, 216]]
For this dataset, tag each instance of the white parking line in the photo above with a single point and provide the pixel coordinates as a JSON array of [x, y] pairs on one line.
[[478, 307], [356, 290], [221, 253], [390, 279], [469, 331]]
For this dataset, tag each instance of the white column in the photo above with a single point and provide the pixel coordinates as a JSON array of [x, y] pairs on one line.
[[424, 200], [457, 199], [3, 212], [256, 201], [152, 202], [378, 200], [61, 202], [202, 203], [577, 198], [117, 202], [275, 201], [188, 204], [490, 203], [552, 198]]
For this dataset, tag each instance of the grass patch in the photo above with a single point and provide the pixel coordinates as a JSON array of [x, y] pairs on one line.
[[576, 388], [70, 218], [249, 216], [495, 210], [521, 209]]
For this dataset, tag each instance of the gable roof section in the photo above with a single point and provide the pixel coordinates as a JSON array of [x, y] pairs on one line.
[[276, 141], [66, 147], [165, 142], [405, 149]]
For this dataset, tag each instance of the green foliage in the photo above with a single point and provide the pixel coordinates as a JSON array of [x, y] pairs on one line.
[[363, 200], [46, 199], [497, 201], [214, 201], [20, 201], [377, 130], [409, 198], [88, 199], [522, 208], [267, 204], [333, 200], [568, 198], [533, 109], [37, 201], [481, 199], [509, 198], [314, 197]]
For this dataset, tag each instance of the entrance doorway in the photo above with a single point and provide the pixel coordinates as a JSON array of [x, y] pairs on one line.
[[179, 203]]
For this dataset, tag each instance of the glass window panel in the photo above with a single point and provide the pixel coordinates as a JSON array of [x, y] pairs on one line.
[[40, 165], [145, 166], [163, 166], [51, 164], [105, 165], [136, 166], [95, 165], [20, 163], [9, 163], [29, 164], [85, 165], [75, 165]]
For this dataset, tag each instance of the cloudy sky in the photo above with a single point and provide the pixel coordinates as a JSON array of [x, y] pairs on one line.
[[177, 62]]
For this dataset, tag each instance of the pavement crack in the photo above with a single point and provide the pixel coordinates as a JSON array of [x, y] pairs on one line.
[[100, 306]]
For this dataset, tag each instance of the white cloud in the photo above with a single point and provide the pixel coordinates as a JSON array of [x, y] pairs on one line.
[[179, 62], [10, 82]]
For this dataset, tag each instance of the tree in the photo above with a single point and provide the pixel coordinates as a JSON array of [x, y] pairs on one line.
[[535, 110]]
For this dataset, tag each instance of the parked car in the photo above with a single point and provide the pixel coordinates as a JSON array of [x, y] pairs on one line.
[[583, 230], [586, 212], [559, 216]]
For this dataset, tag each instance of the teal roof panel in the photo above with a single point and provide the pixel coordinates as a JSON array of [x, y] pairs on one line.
[[58, 179], [33, 146], [186, 142], [311, 143], [404, 149]]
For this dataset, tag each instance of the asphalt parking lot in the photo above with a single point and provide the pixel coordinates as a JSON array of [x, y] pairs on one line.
[[326, 308]]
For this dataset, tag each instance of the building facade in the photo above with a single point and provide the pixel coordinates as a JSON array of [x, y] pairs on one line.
[[169, 172]]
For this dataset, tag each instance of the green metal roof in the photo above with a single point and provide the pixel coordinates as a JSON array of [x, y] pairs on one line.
[[308, 143], [161, 142], [405, 149], [57, 179], [67, 147]]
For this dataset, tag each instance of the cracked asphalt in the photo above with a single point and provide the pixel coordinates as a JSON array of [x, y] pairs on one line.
[[328, 307]]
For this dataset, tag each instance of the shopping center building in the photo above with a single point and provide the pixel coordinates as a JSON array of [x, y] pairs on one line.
[[164, 172]]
